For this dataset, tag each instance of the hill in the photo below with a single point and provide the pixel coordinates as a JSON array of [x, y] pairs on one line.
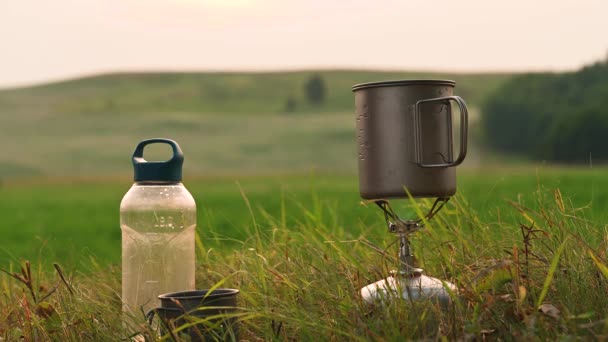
[[216, 92], [225, 122]]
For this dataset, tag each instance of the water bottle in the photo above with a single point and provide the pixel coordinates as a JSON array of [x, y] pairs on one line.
[[158, 221]]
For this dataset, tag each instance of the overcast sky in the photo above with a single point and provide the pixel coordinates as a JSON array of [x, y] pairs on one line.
[[43, 40]]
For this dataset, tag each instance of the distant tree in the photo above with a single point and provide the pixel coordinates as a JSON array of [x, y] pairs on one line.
[[315, 90], [577, 137], [290, 105], [549, 116]]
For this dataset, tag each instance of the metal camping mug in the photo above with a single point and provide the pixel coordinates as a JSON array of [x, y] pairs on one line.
[[210, 315], [404, 137]]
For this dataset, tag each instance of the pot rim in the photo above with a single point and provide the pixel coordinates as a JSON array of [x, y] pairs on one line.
[[199, 294], [396, 83]]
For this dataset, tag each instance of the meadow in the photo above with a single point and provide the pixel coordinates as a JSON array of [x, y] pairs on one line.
[[526, 247], [280, 217], [70, 222]]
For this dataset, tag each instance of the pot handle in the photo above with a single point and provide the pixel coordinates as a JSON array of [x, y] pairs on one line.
[[463, 131], [150, 314]]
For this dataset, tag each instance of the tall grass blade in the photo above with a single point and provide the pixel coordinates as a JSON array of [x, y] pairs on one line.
[[552, 269], [603, 268]]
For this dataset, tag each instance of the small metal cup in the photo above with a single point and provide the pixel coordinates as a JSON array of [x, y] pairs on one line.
[[209, 312], [404, 137]]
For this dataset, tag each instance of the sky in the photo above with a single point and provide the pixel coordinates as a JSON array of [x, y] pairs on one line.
[[45, 40]]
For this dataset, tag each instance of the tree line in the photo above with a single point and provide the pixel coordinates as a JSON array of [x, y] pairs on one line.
[[314, 92], [557, 117]]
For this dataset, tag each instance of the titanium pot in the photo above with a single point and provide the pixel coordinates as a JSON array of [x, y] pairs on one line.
[[404, 137]]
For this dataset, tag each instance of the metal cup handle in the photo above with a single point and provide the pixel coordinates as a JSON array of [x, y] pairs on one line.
[[463, 131], [150, 314]]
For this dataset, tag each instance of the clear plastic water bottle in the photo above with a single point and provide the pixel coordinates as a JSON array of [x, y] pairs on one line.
[[158, 221]]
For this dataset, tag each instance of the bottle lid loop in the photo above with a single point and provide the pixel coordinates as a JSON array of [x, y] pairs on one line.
[[160, 171]]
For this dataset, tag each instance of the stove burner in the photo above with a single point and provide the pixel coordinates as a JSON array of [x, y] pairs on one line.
[[408, 282]]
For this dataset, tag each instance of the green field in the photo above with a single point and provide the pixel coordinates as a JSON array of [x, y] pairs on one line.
[[302, 253], [68, 222]]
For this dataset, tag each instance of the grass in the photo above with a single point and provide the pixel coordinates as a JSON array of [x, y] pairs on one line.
[[537, 271], [53, 220]]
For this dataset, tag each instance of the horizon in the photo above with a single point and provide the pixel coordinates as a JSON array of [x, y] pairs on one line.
[[270, 71]]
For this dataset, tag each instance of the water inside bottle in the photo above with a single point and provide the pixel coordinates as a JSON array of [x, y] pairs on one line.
[[155, 263]]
